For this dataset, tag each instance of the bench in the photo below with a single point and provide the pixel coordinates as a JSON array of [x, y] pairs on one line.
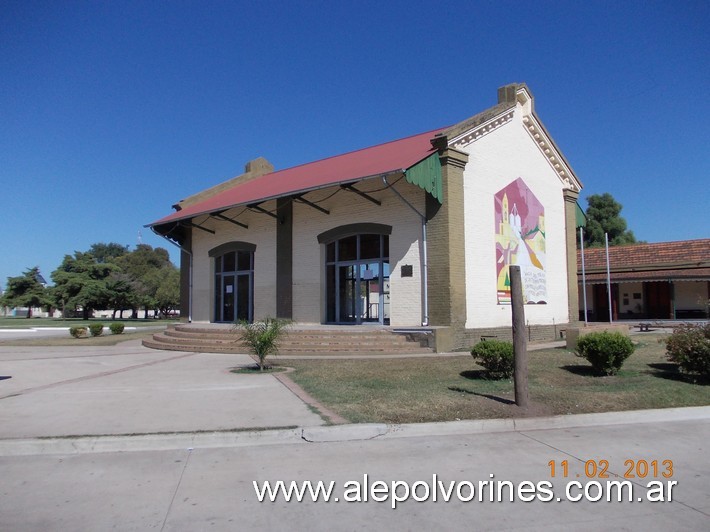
[[644, 327]]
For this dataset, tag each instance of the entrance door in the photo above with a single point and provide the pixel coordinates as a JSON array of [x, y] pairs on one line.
[[658, 300], [348, 294], [357, 280], [363, 292], [243, 297], [227, 303], [234, 292]]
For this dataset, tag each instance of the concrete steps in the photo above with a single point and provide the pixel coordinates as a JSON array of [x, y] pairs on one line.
[[217, 338]]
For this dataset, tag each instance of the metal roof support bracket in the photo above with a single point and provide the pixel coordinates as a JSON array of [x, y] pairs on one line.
[[301, 199], [362, 194], [192, 224], [255, 207], [222, 217]]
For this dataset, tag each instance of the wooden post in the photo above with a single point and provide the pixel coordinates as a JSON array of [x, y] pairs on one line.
[[520, 343]]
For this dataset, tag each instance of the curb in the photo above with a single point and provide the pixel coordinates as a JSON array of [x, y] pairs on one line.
[[339, 433]]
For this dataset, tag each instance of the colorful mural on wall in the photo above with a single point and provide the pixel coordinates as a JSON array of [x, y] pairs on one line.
[[520, 240]]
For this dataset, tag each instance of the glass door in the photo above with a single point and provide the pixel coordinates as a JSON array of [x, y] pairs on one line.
[[348, 294], [227, 306], [357, 280], [370, 292], [234, 287], [244, 297]]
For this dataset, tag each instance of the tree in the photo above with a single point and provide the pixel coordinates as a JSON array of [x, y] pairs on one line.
[[25, 290], [145, 269], [120, 293], [107, 252], [604, 216], [167, 296], [81, 281]]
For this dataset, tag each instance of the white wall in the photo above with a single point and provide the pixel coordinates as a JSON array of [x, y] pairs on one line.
[[626, 293], [347, 208], [308, 255], [495, 160]]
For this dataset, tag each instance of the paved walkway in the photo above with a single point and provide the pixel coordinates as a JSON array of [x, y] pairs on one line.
[[130, 389], [134, 439]]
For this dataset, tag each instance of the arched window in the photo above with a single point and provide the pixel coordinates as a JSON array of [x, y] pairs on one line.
[[357, 273], [234, 282]]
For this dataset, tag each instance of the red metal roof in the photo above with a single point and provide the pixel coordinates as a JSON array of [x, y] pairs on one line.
[[377, 160]]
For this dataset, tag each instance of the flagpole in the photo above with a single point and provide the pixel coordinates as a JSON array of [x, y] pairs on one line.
[[608, 275], [584, 275]]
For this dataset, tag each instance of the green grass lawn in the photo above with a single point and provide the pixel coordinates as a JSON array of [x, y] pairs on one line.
[[411, 390]]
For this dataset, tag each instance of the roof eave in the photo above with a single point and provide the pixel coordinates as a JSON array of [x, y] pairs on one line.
[[172, 218]]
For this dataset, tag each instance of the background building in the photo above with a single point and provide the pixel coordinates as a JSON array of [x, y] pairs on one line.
[[662, 281]]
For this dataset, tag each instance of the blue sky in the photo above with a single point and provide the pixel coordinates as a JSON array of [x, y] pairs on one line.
[[110, 112]]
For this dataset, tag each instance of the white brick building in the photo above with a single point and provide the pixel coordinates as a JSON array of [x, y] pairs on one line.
[[415, 232]]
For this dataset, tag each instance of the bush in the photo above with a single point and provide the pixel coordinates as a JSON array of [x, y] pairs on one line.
[[78, 332], [97, 329], [117, 328], [496, 356], [605, 351], [689, 347]]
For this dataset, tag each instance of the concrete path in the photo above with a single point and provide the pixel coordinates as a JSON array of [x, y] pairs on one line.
[[203, 478], [130, 389]]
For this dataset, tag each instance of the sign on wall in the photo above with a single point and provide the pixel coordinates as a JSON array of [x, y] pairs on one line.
[[520, 240]]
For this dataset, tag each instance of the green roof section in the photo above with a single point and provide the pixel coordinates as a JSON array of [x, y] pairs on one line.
[[426, 174], [581, 217]]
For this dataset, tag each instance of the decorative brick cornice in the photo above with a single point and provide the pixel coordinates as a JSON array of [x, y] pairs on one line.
[[549, 150], [511, 99], [482, 129]]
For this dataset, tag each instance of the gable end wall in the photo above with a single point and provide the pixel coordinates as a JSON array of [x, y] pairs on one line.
[[495, 160]]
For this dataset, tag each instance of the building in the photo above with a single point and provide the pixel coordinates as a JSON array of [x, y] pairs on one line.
[[660, 281], [417, 232]]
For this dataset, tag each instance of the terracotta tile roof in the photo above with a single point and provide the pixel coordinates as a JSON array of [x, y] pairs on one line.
[[684, 259]]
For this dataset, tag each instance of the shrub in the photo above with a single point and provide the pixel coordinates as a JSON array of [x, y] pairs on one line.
[[261, 337], [97, 329], [496, 356], [117, 328], [78, 332], [605, 351], [689, 347]]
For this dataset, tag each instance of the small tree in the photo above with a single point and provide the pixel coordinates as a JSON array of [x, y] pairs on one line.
[[261, 337]]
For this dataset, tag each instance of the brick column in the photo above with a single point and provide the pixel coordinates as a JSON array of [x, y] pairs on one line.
[[284, 258], [445, 238], [571, 197], [185, 274]]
